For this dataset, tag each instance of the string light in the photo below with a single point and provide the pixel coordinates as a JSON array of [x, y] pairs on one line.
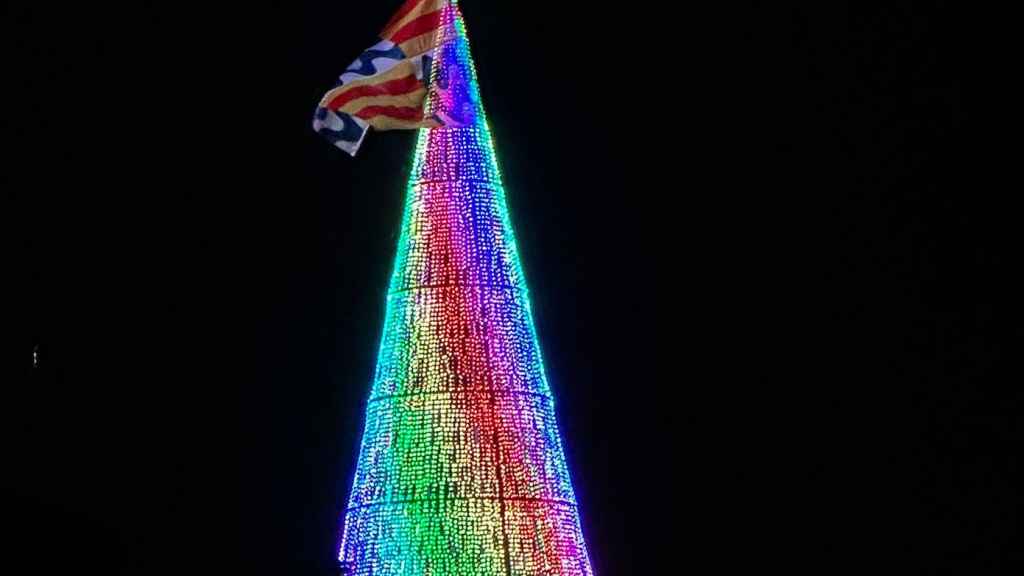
[[461, 469]]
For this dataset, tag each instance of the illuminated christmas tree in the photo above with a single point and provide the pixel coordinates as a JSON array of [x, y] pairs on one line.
[[461, 469]]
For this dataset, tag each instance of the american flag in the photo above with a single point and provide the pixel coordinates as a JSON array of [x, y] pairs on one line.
[[388, 86]]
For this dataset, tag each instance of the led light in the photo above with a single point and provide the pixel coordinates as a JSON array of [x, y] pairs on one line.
[[461, 469]]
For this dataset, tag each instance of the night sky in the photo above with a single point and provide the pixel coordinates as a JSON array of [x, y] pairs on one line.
[[762, 277]]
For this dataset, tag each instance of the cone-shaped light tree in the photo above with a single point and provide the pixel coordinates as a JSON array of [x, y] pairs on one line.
[[461, 469]]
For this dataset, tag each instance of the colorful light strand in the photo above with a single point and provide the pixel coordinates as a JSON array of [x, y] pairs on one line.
[[461, 470]]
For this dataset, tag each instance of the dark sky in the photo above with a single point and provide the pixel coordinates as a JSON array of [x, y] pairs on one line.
[[763, 281]]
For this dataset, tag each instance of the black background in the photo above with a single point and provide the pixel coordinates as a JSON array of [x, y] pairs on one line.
[[763, 276]]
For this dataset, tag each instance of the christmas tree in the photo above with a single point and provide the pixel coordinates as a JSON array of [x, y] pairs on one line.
[[461, 469]]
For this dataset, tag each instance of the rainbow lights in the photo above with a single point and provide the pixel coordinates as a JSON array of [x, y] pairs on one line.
[[461, 469]]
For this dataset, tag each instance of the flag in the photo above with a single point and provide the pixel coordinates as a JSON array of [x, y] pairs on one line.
[[389, 86]]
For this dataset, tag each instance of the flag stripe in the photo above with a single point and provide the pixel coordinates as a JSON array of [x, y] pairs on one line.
[[390, 88], [383, 123], [399, 112], [414, 67], [414, 98], [422, 25], [420, 44], [410, 11], [404, 11]]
